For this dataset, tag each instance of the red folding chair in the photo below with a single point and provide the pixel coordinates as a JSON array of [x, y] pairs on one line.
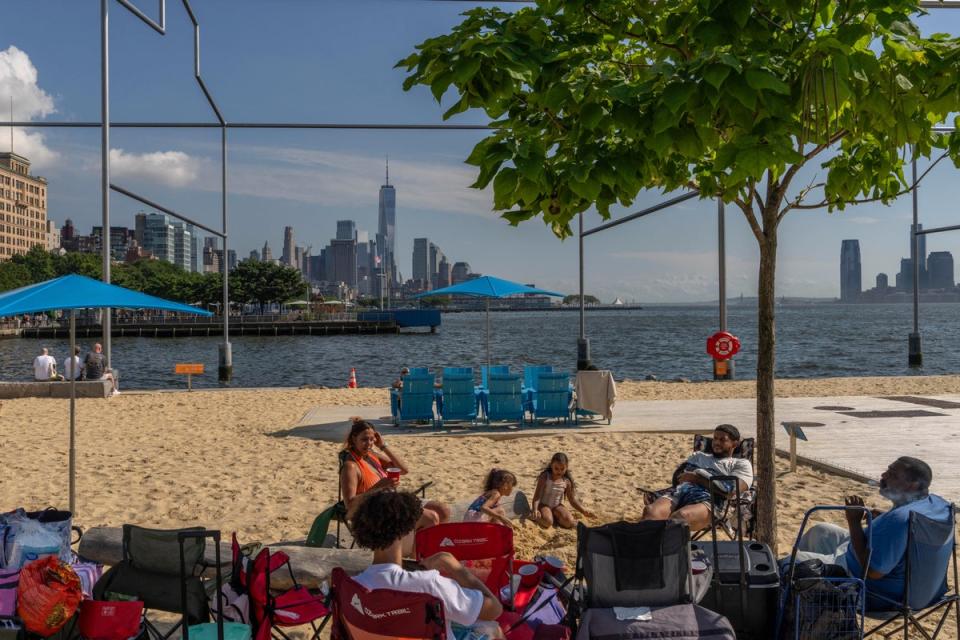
[[381, 614], [294, 607], [485, 548]]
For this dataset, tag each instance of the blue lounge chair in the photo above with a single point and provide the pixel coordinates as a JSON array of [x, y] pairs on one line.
[[457, 371], [497, 368], [419, 371], [416, 399], [530, 384], [505, 400], [458, 401], [552, 399]]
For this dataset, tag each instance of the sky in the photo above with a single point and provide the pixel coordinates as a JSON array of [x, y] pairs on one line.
[[332, 61]]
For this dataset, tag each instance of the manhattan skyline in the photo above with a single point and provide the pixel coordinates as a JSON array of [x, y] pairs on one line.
[[333, 62]]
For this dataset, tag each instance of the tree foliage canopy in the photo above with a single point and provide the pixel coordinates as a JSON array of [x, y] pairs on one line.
[[250, 282], [594, 101]]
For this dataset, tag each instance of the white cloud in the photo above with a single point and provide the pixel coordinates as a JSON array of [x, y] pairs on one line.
[[863, 220], [334, 179], [18, 79], [171, 168]]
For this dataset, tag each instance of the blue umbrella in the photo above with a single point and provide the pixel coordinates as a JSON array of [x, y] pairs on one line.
[[488, 287], [80, 292]]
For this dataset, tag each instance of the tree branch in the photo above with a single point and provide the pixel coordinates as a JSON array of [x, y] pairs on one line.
[[747, 210], [827, 203], [637, 36]]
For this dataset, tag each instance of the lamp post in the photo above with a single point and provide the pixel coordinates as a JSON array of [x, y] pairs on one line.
[[915, 351], [583, 344]]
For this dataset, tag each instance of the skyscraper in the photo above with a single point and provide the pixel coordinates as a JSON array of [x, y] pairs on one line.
[[421, 260], [940, 270], [851, 283], [267, 254], [883, 283], [155, 233], [182, 245], [460, 273], [288, 247], [436, 257], [386, 230], [346, 230]]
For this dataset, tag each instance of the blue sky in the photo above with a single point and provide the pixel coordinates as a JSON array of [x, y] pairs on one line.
[[332, 61]]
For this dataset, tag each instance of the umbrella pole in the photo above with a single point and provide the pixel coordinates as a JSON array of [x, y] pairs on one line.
[[73, 412], [488, 334]]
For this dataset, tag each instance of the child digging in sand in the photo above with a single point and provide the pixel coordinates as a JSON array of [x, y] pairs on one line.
[[553, 485], [486, 508]]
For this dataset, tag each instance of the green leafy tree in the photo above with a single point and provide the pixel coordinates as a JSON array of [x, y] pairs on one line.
[[13, 276], [575, 299], [263, 283], [594, 101], [38, 262], [85, 264]]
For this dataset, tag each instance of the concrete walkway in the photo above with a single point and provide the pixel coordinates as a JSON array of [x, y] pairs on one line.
[[857, 434]]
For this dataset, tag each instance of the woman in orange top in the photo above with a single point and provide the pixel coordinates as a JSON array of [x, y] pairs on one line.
[[365, 470]]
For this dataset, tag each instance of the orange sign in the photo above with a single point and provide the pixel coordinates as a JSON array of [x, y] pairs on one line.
[[193, 369]]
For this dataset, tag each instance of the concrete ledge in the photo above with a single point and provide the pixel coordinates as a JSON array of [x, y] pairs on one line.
[[85, 389]]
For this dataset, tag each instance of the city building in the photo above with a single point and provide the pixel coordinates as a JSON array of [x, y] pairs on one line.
[[460, 273], [386, 234], [905, 275], [53, 236], [156, 234], [196, 250], [421, 260], [343, 258], [940, 270], [346, 230], [444, 273], [287, 257], [851, 282], [182, 245], [267, 255], [883, 283], [436, 256], [921, 247], [120, 238], [23, 207], [254, 256], [67, 234]]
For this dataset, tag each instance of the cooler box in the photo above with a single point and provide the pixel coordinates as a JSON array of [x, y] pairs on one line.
[[763, 587]]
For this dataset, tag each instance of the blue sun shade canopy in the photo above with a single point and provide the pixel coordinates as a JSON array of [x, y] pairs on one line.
[[80, 292], [488, 287]]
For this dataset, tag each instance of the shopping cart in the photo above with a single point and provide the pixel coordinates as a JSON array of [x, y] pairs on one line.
[[829, 606]]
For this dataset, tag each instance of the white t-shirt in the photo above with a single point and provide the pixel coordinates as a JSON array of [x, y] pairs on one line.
[[43, 367], [68, 370], [459, 605], [739, 468]]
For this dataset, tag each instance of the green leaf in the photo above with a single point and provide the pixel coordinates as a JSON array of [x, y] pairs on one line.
[[465, 69], [715, 74], [676, 94], [588, 189], [504, 186], [759, 79], [740, 90], [591, 115]]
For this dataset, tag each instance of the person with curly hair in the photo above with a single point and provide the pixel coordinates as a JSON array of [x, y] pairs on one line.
[[380, 523], [367, 457]]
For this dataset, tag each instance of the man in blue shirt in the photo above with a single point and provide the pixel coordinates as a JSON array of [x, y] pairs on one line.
[[906, 484]]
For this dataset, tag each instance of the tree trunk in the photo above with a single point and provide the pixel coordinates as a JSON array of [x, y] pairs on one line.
[[766, 476]]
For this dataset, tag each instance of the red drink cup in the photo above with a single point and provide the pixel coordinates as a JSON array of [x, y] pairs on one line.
[[393, 473]]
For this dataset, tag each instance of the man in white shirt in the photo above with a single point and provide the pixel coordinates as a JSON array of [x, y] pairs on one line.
[[45, 367], [380, 523], [72, 367], [691, 500]]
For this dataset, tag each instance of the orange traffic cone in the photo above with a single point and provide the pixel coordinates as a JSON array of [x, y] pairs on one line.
[[352, 384]]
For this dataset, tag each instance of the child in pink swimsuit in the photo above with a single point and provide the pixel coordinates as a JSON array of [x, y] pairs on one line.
[[553, 485]]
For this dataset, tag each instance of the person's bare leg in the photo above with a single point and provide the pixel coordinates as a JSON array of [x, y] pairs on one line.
[[659, 509], [546, 517], [442, 510], [697, 516], [563, 517], [428, 519]]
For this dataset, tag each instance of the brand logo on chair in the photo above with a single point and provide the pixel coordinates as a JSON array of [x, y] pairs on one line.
[[446, 542], [356, 604]]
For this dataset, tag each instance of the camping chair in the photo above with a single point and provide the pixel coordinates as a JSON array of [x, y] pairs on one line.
[[641, 564], [459, 399], [416, 399], [272, 611], [925, 589], [485, 548], [485, 371], [150, 570], [505, 401], [552, 397], [530, 380], [363, 614], [735, 525]]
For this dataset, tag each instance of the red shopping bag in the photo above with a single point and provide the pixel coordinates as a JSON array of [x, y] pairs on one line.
[[118, 620]]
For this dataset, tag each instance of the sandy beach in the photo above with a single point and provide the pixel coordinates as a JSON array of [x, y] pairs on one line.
[[168, 459]]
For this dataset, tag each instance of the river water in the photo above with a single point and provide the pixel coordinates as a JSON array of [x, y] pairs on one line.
[[813, 340]]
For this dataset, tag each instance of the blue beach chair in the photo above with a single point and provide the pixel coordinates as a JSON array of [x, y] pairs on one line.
[[552, 399], [497, 368], [419, 371], [530, 384], [457, 371], [459, 400], [416, 399], [505, 399]]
